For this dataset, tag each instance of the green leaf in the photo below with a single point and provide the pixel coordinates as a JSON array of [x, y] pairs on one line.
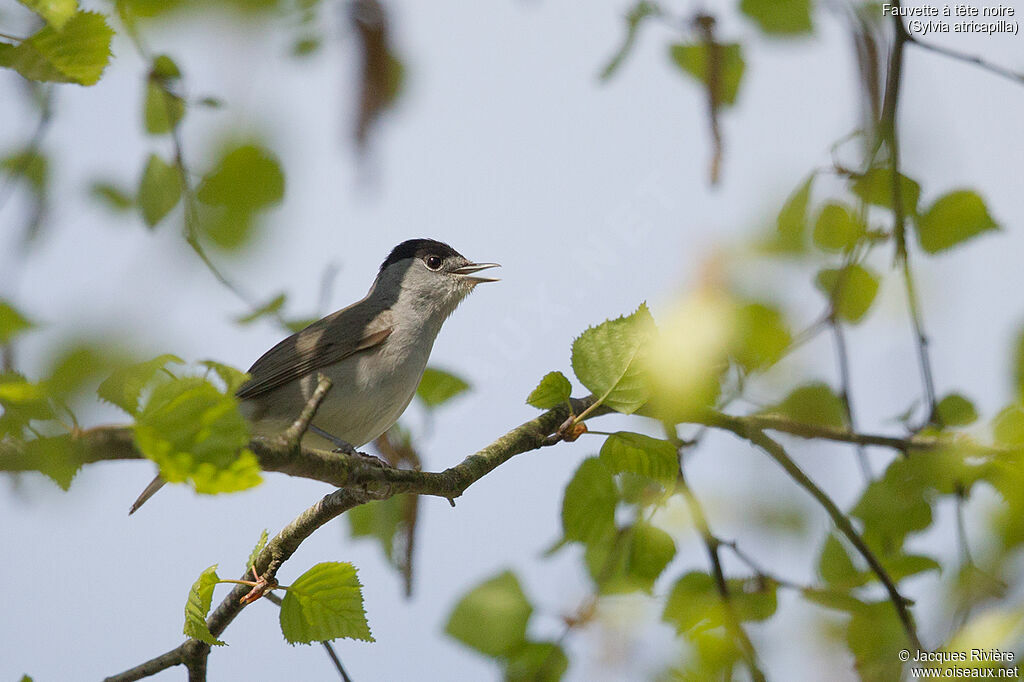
[[306, 46], [12, 322], [956, 410], [875, 187], [77, 53], [30, 165], [324, 603], [815, 403], [630, 559], [639, 454], [791, 224], [953, 218], [852, 290], [894, 506], [605, 360], [837, 568], [840, 600], [57, 457], [198, 606], [693, 601], [588, 507], [196, 433], [380, 519], [553, 390], [245, 180], [537, 662], [438, 387], [640, 11], [762, 336], [55, 12], [837, 228], [255, 553], [232, 378], [779, 17], [159, 190], [492, 617], [164, 68], [905, 565], [112, 196], [268, 308], [875, 636], [163, 110], [754, 599], [694, 60], [124, 386], [1009, 426], [73, 368], [650, 550], [22, 402]]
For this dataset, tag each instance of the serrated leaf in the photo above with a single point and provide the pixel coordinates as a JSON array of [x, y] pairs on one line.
[[268, 308], [198, 606], [694, 60], [159, 190], [232, 378], [55, 12], [956, 410], [12, 322], [606, 359], [162, 110], [325, 603], [639, 454], [112, 196], [875, 187], [255, 553], [57, 457], [553, 390], [837, 228], [588, 507], [814, 403], [779, 17], [492, 617], [954, 218], [124, 386], [438, 387], [537, 662], [77, 53], [762, 336], [851, 289]]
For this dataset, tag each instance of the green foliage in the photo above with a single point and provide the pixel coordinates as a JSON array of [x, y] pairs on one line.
[[695, 602], [639, 454], [12, 322], [837, 228], [232, 378], [112, 196], [29, 165], [537, 662], [836, 567], [380, 519], [629, 560], [779, 17], [55, 12], [198, 606], [956, 410], [271, 307], [588, 508], [605, 360], [1008, 426], [255, 553], [695, 59], [77, 53], [159, 190], [875, 636], [876, 187], [762, 336], [851, 289], [492, 617], [790, 236], [438, 387], [814, 403], [553, 390], [324, 603], [125, 385], [162, 109], [954, 218], [636, 15], [894, 506], [246, 179]]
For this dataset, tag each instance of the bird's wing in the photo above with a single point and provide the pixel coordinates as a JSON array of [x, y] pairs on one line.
[[351, 330]]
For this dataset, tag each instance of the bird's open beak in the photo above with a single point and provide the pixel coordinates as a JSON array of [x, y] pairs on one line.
[[468, 270]]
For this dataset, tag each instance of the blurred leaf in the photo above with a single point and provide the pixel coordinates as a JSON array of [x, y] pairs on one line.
[[1017, 360], [492, 617], [194, 432], [162, 110], [22, 402], [956, 410], [753, 599], [837, 568], [779, 17], [639, 454], [694, 60], [694, 601], [837, 228], [111, 196], [1009, 425], [953, 218], [245, 180], [159, 190], [650, 550], [77, 53], [324, 603], [715, 657], [198, 606], [815, 403], [438, 387], [588, 507], [378, 519], [306, 46], [124, 386], [894, 506], [382, 71], [636, 15], [905, 565], [875, 187], [30, 165], [840, 600], [875, 636], [791, 224], [57, 457], [629, 560], [12, 322], [255, 553], [73, 368], [852, 290], [553, 390], [232, 378], [269, 308], [164, 68], [604, 359], [537, 662], [761, 338], [55, 12]]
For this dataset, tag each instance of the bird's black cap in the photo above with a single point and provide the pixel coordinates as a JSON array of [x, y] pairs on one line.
[[418, 248]]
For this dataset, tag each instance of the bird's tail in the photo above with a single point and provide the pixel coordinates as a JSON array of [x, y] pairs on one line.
[[150, 490]]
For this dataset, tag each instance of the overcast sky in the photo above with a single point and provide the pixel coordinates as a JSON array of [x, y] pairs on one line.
[[594, 197]]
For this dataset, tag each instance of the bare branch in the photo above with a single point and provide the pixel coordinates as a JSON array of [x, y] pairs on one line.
[[997, 69]]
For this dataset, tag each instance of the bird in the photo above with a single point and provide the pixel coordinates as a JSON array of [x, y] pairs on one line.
[[374, 352]]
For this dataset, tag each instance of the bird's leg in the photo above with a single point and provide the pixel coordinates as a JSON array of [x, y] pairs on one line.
[[346, 448]]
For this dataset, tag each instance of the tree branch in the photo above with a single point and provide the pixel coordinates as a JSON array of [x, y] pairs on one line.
[[1005, 72]]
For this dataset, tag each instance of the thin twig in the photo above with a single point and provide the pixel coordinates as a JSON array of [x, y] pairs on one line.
[[292, 436], [843, 362], [997, 69]]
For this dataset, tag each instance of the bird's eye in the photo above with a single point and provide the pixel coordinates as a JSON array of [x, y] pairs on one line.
[[433, 262]]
